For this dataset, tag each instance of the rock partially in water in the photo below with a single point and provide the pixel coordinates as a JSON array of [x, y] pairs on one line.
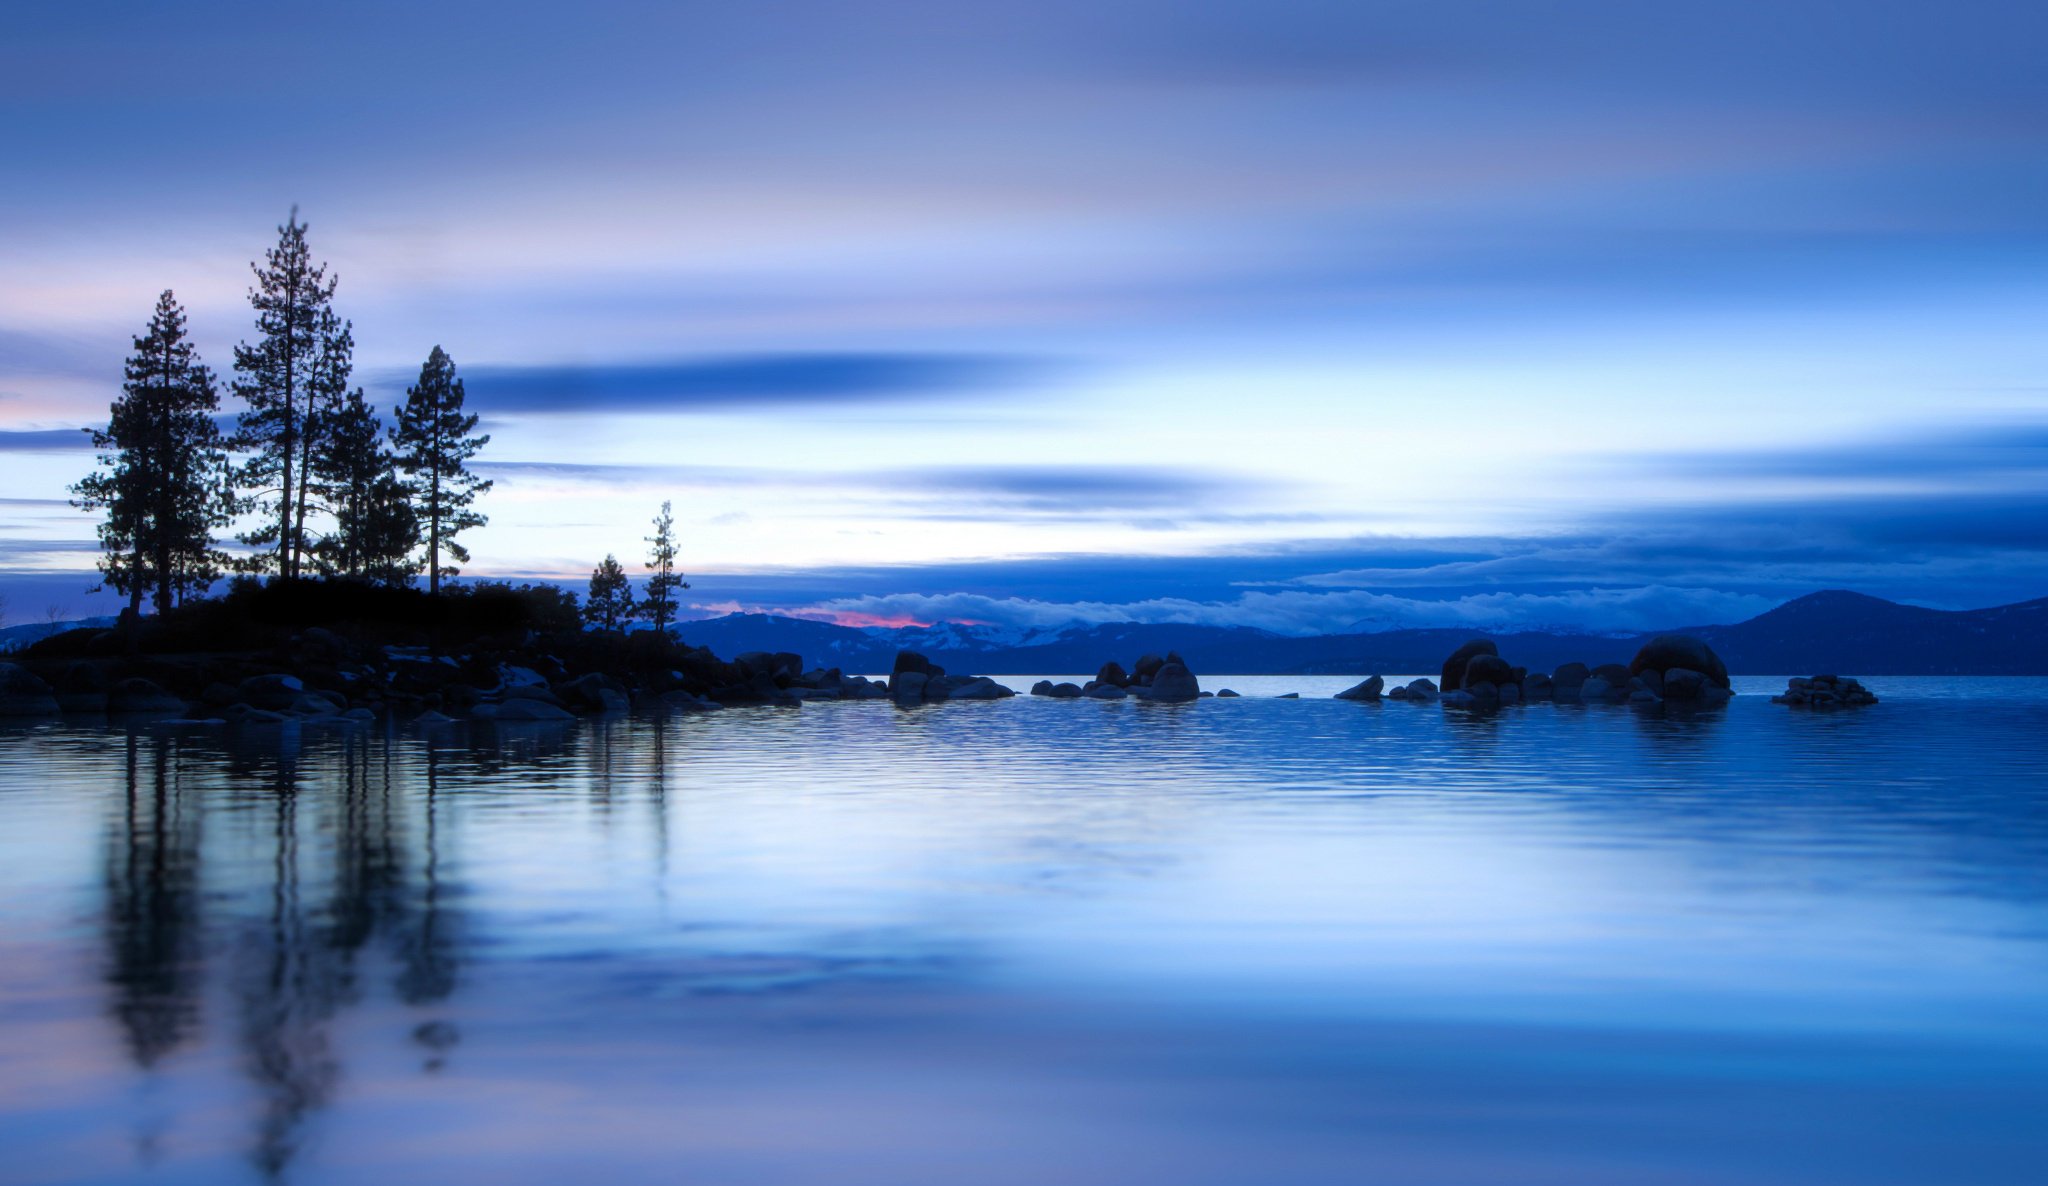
[[24, 694], [136, 694], [1368, 689], [1453, 673], [1102, 691], [1667, 651], [1173, 683], [1826, 691]]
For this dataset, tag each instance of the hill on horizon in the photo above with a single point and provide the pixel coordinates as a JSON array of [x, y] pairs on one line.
[[1833, 630]]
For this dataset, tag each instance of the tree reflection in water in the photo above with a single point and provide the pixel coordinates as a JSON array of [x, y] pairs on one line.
[[347, 868]]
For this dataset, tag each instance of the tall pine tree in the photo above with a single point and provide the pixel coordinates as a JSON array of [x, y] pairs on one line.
[[609, 605], [659, 605], [433, 442], [164, 484], [283, 377]]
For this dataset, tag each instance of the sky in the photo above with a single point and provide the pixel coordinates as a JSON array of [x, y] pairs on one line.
[[1306, 316]]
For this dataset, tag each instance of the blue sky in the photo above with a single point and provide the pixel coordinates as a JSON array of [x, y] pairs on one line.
[[1308, 315]]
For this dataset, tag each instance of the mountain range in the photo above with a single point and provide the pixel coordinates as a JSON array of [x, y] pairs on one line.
[[1832, 631]]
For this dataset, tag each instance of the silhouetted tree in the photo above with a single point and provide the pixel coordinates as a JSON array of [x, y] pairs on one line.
[[375, 528], [609, 605], [163, 486], [432, 436], [659, 605], [284, 377]]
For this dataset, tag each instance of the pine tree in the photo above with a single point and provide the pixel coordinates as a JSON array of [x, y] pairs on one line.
[[659, 605], [609, 605], [164, 486], [283, 376], [433, 441], [375, 529]]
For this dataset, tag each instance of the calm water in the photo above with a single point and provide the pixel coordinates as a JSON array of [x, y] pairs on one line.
[[1029, 942]]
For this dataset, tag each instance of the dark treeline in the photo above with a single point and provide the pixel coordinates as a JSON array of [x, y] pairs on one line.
[[317, 483]]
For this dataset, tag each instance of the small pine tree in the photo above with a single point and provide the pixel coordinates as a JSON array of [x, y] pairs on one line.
[[609, 604], [433, 442], [375, 530], [164, 488], [284, 376], [659, 605]]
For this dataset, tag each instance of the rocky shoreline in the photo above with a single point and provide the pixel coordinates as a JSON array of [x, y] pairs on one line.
[[317, 673]]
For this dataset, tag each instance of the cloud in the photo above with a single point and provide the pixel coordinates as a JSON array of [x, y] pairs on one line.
[[44, 440], [725, 384]]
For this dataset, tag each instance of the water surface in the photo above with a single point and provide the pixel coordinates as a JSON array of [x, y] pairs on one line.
[[1028, 942]]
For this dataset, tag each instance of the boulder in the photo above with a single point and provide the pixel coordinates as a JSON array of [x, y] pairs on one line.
[[1146, 667], [1420, 689], [521, 677], [908, 661], [907, 686], [1616, 675], [980, 688], [1570, 675], [1649, 679], [82, 687], [24, 694], [596, 692], [1454, 667], [1822, 691], [1511, 693], [1481, 691], [1227, 694], [1288, 696], [1491, 669], [1369, 689], [1112, 673], [1596, 688], [1537, 686], [523, 710], [139, 695], [1042, 688], [1102, 691], [1174, 683], [1666, 651], [1683, 684], [272, 692]]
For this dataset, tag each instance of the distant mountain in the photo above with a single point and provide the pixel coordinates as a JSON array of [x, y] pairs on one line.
[[1830, 631]]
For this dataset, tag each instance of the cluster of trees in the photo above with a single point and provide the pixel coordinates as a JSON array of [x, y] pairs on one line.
[[327, 488], [610, 604]]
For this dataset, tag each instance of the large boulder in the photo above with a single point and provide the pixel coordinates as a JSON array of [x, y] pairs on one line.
[[273, 692], [1421, 689], [912, 661], [1146, 667], [1065, 691], [596, 692], [1173, 682], [1488, 669], [980, 688], [1102, 691], [82, 687], [1368, 689], [907, 687], [1454, 667], [1112, 673], [1570, 675], [23, 693], [139, 695], [1667, 651]]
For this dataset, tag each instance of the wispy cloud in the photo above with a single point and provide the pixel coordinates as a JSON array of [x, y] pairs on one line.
[[721, 384]]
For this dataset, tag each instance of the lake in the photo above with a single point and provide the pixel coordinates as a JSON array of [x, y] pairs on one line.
[[1257, 941]]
